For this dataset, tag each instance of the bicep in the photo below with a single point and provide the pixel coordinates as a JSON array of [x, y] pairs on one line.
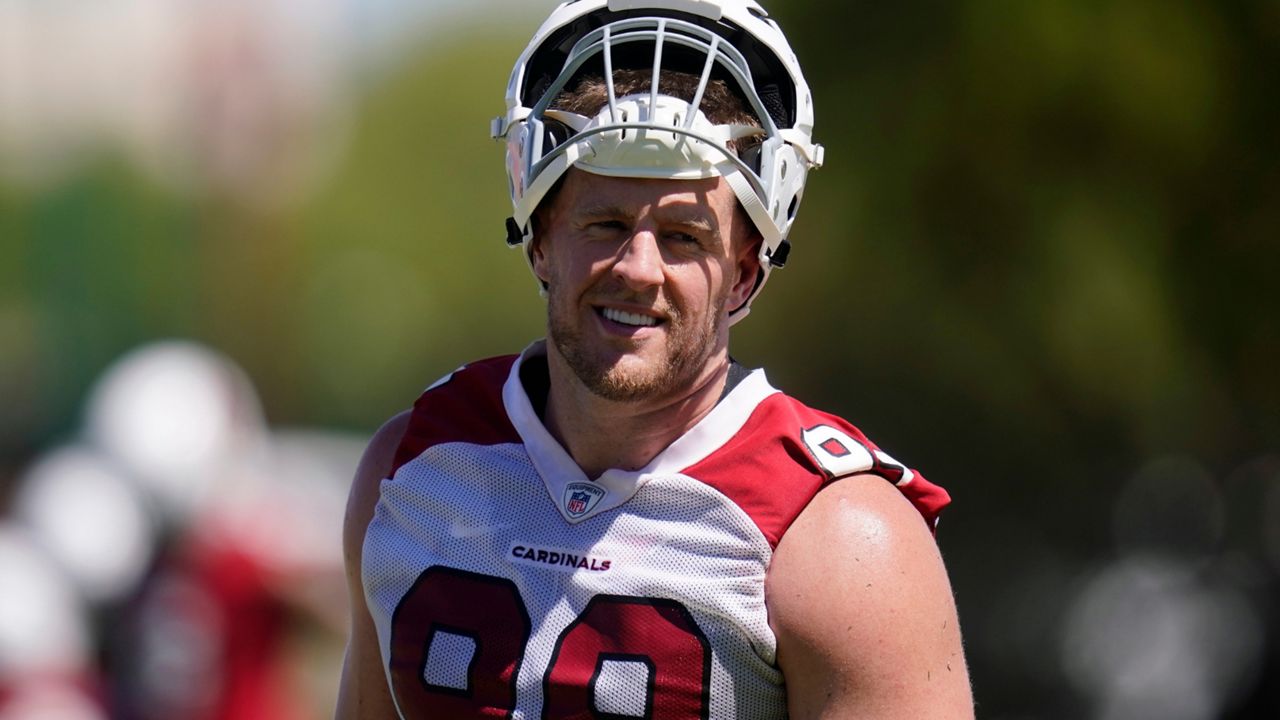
[[363, 692], [862, 608]]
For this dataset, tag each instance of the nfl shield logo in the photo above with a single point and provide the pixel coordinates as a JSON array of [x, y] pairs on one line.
[[581, 498]]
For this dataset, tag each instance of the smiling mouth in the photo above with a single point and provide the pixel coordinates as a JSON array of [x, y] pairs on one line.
[[629, 319]]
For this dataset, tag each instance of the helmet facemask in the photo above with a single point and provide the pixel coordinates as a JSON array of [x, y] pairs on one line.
[[657, 135]]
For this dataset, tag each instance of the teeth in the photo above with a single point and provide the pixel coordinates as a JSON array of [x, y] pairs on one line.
[[627, 318]]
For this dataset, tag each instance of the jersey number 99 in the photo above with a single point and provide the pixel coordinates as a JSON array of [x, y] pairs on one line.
[[621, 657]]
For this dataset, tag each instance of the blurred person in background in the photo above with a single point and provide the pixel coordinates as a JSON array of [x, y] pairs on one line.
[[622, 520], [177, 561], [1059, 220], [238, 581], [46, 664]]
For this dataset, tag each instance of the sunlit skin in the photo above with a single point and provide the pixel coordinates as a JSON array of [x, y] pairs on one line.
[[873, 637], [679, 251]]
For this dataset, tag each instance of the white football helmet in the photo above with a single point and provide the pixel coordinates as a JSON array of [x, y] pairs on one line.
[[652, 135]]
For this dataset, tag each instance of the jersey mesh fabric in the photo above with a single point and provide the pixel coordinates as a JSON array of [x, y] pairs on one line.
[[700, 537], [677, 539]]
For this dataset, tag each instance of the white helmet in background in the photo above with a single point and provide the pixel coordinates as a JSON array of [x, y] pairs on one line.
[[44, 629], [180, 418], [90, 519], [650, 135], [46, 640]]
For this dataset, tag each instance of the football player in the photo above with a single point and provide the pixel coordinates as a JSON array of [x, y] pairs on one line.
[[621, 521]]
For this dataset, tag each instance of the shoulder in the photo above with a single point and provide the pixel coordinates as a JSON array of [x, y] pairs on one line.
[[862, 606], [859, 598], [762, 466], [860, 527], [786, 452], [840, 450], [813, 441], [858, 540], [464, 406], [377, 463], [472, 388]]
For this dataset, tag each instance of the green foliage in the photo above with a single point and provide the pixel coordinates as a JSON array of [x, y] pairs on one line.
[[1042, 251], [1061, 212], [407, 273]]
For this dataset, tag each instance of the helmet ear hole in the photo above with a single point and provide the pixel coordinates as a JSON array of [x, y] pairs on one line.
[[751, 157], [554, 134]]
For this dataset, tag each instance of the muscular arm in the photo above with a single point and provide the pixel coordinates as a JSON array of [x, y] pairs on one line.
[[363, 692], [860, 603]]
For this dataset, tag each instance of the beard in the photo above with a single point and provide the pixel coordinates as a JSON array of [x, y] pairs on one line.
[[687, 347]]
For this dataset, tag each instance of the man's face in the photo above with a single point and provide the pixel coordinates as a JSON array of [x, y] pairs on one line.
[[641, 276]]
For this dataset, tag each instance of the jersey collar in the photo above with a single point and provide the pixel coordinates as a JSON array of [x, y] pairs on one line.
[[577, 496]]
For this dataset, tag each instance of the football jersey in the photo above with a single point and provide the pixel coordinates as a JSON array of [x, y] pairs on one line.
[[503, 582]]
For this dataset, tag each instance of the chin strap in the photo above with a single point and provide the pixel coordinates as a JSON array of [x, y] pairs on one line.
[[778, 258], [514, 235]]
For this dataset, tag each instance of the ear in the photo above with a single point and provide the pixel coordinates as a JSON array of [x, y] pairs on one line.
[[747, 268], [538, 251]]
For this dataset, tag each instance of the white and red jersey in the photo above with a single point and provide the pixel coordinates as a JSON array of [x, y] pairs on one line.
[[505, 583]]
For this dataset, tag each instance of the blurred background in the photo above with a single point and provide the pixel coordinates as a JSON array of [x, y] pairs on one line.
[[236, 236]]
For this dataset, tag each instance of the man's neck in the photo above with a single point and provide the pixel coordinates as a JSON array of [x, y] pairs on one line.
[[601, 434]]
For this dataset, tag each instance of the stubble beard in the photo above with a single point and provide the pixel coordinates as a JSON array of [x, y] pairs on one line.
[[687, 351]]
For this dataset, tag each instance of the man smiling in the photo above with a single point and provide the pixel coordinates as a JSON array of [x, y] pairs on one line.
[[622, 521], [639, 288], [638, 295]]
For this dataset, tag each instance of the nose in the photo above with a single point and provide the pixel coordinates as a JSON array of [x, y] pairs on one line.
[[640, 263]]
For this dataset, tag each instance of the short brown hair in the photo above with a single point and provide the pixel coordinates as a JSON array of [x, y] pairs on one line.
[[590, 95], [719, 103]]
